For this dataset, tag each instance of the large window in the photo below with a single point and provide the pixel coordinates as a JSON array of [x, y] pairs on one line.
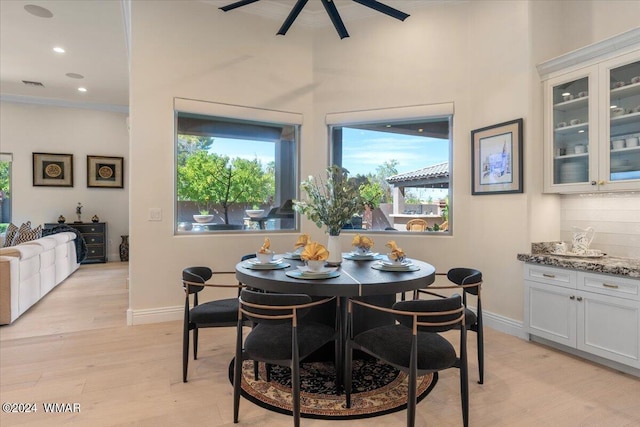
[[403, 168], [234, 173], [5, 190]]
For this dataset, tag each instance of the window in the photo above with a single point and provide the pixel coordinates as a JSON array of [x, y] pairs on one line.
[[233, 172], [5, 190], [402, 165]]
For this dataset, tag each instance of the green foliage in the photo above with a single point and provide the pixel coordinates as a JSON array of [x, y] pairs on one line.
[[5, 185], [3, 227], [383, 172], [190, 144], [209, 179], [371, 194], [332, 201]]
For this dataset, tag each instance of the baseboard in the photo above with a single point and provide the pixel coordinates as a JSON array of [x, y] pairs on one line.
[[154, 315], [169, 314], [504, 324]]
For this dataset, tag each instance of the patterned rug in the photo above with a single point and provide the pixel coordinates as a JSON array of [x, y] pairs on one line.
[[377, 389]]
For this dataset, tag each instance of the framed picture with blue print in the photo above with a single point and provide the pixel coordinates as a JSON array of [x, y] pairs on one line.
[[105, 172]]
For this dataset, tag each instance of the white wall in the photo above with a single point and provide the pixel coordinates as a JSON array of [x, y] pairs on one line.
[[232, 58], [29, 128], [614, 217], [479, 55]]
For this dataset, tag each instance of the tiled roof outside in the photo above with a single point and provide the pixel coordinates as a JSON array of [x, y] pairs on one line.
[[440, 170]]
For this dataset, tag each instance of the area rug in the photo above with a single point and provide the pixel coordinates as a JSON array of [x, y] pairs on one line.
[[377, 389]]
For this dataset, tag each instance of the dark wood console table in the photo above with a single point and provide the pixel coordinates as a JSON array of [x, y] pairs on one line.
[[95, 236]]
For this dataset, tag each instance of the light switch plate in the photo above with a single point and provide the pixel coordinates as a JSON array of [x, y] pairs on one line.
[[155, 214]]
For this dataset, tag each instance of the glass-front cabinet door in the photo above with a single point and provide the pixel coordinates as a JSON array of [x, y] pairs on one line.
[[620, 154], [571, 119]]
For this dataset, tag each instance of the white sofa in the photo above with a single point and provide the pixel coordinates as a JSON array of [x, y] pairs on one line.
[[31, 269]]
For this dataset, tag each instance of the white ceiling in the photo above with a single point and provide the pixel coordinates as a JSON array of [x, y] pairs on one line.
[[93, 34]]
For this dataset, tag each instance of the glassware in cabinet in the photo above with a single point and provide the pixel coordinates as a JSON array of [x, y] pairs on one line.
[[571, 131], [624, 122]]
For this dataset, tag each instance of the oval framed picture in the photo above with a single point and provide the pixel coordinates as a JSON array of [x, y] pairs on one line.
[[105, 172]]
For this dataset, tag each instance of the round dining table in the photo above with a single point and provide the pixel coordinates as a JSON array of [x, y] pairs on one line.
[[356, 278]]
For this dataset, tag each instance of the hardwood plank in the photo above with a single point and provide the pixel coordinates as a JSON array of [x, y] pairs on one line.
[[74, 347]]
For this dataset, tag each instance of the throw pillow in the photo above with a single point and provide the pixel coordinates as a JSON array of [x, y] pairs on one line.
[[26, 236], [10, 235]]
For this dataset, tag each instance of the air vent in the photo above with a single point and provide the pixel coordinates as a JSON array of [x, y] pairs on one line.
[[29, 83]]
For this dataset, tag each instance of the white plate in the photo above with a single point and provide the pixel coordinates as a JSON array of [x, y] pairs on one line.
[[292, 255], [405, 263], [357, 256], [304, 270], [400, 268], [258, 266], [256, 261], [297, 274]]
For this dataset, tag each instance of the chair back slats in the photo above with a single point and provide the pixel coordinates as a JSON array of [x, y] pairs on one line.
[[437, 315], [260, 307], [431, 315], [195, 276], [468, 278]]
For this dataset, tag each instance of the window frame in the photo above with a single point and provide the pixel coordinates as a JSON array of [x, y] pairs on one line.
[[8, 158], [427, 112], [252, 116]]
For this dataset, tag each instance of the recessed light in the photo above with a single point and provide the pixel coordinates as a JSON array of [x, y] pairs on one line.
[[388, 126], [38, 11], [58, 49], [420, 130], [82, 89], [581, 131], [566, 94], [75, 75], [614, 106]]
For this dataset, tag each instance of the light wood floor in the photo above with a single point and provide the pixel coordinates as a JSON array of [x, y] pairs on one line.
[[74, 347]]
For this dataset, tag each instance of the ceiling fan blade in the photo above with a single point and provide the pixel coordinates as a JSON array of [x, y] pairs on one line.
[[335, 18], [292, 17], [237, 4], [383, 8]]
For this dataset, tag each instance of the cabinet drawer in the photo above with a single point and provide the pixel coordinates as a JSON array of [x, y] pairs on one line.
[[93, 228], [93, 239], [609, 285], [550, 275], [95, 251]]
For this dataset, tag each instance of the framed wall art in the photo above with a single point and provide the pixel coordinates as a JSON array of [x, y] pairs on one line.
[[496, 159], [52, 170], [105, 172]]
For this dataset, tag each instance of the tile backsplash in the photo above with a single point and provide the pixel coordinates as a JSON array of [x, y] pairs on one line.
[[614, 216]]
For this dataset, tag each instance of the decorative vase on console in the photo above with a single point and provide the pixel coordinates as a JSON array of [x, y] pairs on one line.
[[124, 248], [332, 202]]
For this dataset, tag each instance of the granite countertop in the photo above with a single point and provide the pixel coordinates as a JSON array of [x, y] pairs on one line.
[[629, 267]]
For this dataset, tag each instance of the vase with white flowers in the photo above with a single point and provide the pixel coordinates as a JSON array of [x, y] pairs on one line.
[[331, 203]]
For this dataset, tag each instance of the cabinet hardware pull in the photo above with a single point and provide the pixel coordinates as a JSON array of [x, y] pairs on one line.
[[608, 285], [593, 183], [551, 276], [601, 182], [579, 298], [572, 297]]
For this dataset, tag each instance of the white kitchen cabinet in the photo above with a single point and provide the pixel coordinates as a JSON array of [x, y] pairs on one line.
[[592, 119], [597, 314]]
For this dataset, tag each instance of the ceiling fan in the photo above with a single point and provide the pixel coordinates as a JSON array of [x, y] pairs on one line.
[[331, 9]]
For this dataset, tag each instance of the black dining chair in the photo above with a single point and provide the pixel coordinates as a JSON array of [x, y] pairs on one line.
[[470, 280], [414, 344], [278, 337], [211, 314]]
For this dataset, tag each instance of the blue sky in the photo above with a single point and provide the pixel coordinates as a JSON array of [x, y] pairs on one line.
[[363, 151]]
